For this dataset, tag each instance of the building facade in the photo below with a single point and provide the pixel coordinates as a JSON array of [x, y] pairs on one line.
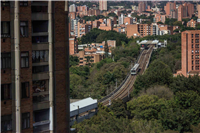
[[141, 7], [34, 66], [73, 45], [185, 11], [189, 53], [169, 7], [102, 5]]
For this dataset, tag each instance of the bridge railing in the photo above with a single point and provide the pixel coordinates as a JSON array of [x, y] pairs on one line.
[[128, 74]]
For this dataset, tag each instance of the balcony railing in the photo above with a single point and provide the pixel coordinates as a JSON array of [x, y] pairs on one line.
[[5, 3], [41, 98], [5, 35], [41, 126]]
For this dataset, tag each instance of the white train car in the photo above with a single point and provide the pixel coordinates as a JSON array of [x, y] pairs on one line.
[[135, 69]]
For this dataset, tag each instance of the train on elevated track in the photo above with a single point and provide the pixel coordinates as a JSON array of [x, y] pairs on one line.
[[135, 69]]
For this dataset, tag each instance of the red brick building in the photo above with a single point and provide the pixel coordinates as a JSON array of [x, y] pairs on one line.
[[73, 46], [128, 20], [141, 7], [190, 53], [185, 11], [34, 66], [191, 23], [169, 7]]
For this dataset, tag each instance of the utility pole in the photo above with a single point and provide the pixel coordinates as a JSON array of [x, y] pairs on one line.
[[109, 102], [128, 93], [107, 91], [116, 83], [131, 64]]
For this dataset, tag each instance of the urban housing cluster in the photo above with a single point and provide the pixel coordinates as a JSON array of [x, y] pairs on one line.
[[123, 21]]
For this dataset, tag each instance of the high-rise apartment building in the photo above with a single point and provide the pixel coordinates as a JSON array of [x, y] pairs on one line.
[[34, 66], [169, 7], [198, 8], [121, 19], [185, 11], [72, 8], [141, 7], [190, 52], [102, 5], [142, 30]]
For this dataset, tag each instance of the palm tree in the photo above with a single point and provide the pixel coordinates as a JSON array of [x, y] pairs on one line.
[[88, 60]]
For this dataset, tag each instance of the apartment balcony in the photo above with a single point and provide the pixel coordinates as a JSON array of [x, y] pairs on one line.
[[40, 46], [41, 101], [39, 16], [41, 120], [40, 64], [39, 3], [5, 35], [40, 34], [40, 76], [41, 127]]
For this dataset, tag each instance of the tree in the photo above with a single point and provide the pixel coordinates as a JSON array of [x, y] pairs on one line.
[[178, 23], [118, 107], [181, 112], [160, 91], [73, 60], [106, 49], [88, 61], [157, 73], [146, 107], [160, 22]]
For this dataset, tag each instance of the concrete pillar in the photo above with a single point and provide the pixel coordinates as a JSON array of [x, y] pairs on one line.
[[17, 68], [51, 109]]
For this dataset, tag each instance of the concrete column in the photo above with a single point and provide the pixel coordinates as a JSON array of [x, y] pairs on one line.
[[17, 68], [51, 125]]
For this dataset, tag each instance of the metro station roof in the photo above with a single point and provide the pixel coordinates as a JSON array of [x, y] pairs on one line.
[[82, 103]]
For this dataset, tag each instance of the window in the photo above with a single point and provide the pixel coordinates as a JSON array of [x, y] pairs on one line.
[[81, 62], [81, 58], [5, 60], [23, 3], [192, 40], [196, 51], [196, 40], [197, 67], [39, 69], [197, 62], [192, 46], [25, 120], [192, 51], [5, 29], [192, 67], [25, 90], [192, 35], [24, 28], [6, 92], [197, 57], [6, 123], [197, 46], [192, 62], [196, 35], [192, 56], [40, 56], [5, 3], [24, 60]]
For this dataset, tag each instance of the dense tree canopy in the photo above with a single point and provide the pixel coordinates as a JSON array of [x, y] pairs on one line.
[[160, 102], [97, 35]]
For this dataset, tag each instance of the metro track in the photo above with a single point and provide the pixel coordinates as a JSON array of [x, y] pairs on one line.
[[127, 87]]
